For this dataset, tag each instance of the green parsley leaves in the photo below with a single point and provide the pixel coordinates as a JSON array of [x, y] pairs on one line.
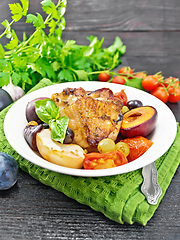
[[45, 55], [18, 11]]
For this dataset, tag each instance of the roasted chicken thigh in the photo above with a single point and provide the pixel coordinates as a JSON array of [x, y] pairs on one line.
[[93, 116]]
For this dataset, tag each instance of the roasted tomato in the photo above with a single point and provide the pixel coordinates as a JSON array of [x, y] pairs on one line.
[[96, 160], [138, 146], [122, 96]]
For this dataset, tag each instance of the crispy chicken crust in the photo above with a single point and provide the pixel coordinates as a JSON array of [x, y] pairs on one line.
[[93, 116]]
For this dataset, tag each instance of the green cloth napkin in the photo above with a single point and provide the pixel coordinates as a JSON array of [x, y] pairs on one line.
[[118, 197]]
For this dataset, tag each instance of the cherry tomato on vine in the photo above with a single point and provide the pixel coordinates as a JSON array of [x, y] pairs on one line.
[[140, 75], [159, 76], [122, 96], [174, 95], [118, 80], [150, 83], [127, 71], [104, 77], [171, 80], [161, 94], [170, 83]]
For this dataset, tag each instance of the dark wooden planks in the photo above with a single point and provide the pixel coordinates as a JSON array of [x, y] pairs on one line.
[[150, 30], [114, 15], [32, 210], [123, 15]]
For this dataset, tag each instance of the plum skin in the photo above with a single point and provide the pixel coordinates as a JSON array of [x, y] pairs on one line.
[[134, 104], [5, 99], [31, 112], [143, 128], [8, 171], [30, 132]]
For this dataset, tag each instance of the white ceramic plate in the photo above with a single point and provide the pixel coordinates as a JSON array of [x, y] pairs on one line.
[[163, 136]]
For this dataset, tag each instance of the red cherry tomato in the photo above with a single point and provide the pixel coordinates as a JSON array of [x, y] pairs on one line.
[[119, 80], [140, 75], [150, 83], [122, 96], [174, 95], [126, 71], [170, 83], [161, 94], [104, 77], [158, 76], [96, 160]]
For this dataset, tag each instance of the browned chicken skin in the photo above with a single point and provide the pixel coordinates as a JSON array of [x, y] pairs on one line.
[[93, 116]]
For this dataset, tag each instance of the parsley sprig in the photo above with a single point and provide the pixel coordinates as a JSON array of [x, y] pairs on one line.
[[45, 55]]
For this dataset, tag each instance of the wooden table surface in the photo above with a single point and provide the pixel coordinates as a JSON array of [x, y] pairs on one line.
[[151, 32]]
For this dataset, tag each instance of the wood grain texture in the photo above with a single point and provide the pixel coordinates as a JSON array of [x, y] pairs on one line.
[[124, 15], [150, 30], [112, 15], [31, 210]]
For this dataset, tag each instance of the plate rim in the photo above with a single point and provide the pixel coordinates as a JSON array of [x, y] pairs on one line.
[[82, 172]]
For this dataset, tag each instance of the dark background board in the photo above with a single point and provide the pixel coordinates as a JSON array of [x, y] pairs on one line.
[[151, 32]]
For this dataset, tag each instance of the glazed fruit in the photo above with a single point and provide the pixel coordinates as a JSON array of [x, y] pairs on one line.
[[139, 122], [30, 132], [66, 155], [69, 136], [134, 104], [8, 171], [106, 145], [123, 147], [138, 146], [95, 160], [30, 110]]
